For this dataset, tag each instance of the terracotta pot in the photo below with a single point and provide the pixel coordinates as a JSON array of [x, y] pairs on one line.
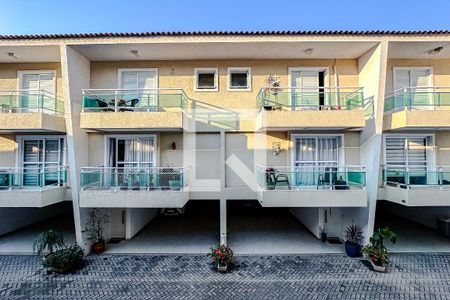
[[222, 268], [98, 247]]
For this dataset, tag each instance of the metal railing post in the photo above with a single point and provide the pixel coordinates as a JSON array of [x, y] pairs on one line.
[[116, 101], [10, 180]]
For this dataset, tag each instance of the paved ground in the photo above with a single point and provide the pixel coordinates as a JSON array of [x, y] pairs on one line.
[[412, 276]]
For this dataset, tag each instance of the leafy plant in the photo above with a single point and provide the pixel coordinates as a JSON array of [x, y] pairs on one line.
[[66, 260], [376, 250], [48, 242], [94, 225], [222, 255], [354, 234]]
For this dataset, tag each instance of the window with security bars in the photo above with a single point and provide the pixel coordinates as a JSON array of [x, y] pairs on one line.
[[42, 160], [406, 159]]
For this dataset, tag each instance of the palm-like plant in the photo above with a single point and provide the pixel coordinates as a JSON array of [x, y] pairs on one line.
[[353, 234], [48, 242]]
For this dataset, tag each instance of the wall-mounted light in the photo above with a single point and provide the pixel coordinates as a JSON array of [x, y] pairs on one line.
[[276, 148], [12, 55], [135, 53], [435, 50], [309, 51]]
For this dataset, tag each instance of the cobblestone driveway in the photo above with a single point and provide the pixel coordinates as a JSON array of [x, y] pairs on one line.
[[412, 276]]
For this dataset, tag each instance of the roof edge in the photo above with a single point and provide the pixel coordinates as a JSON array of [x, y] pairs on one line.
[[221, 33]]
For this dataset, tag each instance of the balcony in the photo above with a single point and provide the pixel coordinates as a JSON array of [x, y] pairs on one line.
[[31, 111], [417, 108], [324, 186], [105, 110], [312, 108], [416, 187], [32, 187], [152, 187]]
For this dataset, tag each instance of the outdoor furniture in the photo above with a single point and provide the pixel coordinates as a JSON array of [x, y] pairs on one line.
[[282, 179]]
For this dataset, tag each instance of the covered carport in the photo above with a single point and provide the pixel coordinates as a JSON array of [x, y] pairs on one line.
[[416, 227], [253, 229], [22, 226], [192, 232]]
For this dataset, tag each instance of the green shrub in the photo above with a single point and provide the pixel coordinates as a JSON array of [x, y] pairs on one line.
[[48, 242], [65, 260]]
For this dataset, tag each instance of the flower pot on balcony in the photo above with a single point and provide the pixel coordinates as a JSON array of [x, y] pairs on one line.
[[222, 268]]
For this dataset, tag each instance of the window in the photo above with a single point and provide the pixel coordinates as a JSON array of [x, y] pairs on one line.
[[309, 84], [42, 155], [408, 153], [206, 79], [131, 152], [318, 159], [239, 79], [34, 82]]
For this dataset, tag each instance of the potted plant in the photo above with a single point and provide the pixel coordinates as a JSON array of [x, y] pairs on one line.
[[376, 251], [48, 242], [65, 260], [94, 229], [353, 237], [270, 178], [222, 256]]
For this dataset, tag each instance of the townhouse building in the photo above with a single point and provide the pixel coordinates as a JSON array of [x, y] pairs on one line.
[[264, 140]]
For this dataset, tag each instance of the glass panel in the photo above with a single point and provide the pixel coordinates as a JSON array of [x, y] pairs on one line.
[[239, 80], [206, 80]]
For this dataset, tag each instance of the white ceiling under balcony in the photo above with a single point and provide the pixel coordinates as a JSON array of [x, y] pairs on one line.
[[25, 54], [225, 50], [418, 50]]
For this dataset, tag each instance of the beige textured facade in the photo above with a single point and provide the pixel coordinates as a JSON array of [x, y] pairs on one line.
[[223, 148]]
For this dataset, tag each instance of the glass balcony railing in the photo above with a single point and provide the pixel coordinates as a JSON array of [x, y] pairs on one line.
[[133, 100], [398, 175], [305, 177], [32, 177], [132, 178], [420, 98], [30, 101], [318, 98]]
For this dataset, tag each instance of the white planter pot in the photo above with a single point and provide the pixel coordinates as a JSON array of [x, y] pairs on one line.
[[222, 269], [380, 269]]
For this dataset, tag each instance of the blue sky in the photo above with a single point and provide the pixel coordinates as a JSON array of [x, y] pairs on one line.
[[83, 16]]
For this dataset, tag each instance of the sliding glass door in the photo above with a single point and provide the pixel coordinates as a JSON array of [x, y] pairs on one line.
[[316, 157]]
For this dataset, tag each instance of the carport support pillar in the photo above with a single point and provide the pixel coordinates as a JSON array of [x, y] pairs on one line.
[[223, 221]]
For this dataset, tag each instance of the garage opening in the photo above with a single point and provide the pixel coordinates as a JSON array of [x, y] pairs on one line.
[[253, 229], [416, 227], [191, 230], [20, 226]]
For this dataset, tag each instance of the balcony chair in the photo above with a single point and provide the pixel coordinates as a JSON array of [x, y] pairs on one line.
[[282, 179]]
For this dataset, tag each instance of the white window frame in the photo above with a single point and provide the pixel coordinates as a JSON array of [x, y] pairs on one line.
[[231, 70], [121, 70], [296, 69], [432, 160], [130, 136], [296, 135], [20, 74], [206, 70], [395, 69], [20, 141]]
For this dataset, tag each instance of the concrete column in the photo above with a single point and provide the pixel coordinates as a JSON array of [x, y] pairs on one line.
[[372, 76], [76, 76], [223, 221]]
